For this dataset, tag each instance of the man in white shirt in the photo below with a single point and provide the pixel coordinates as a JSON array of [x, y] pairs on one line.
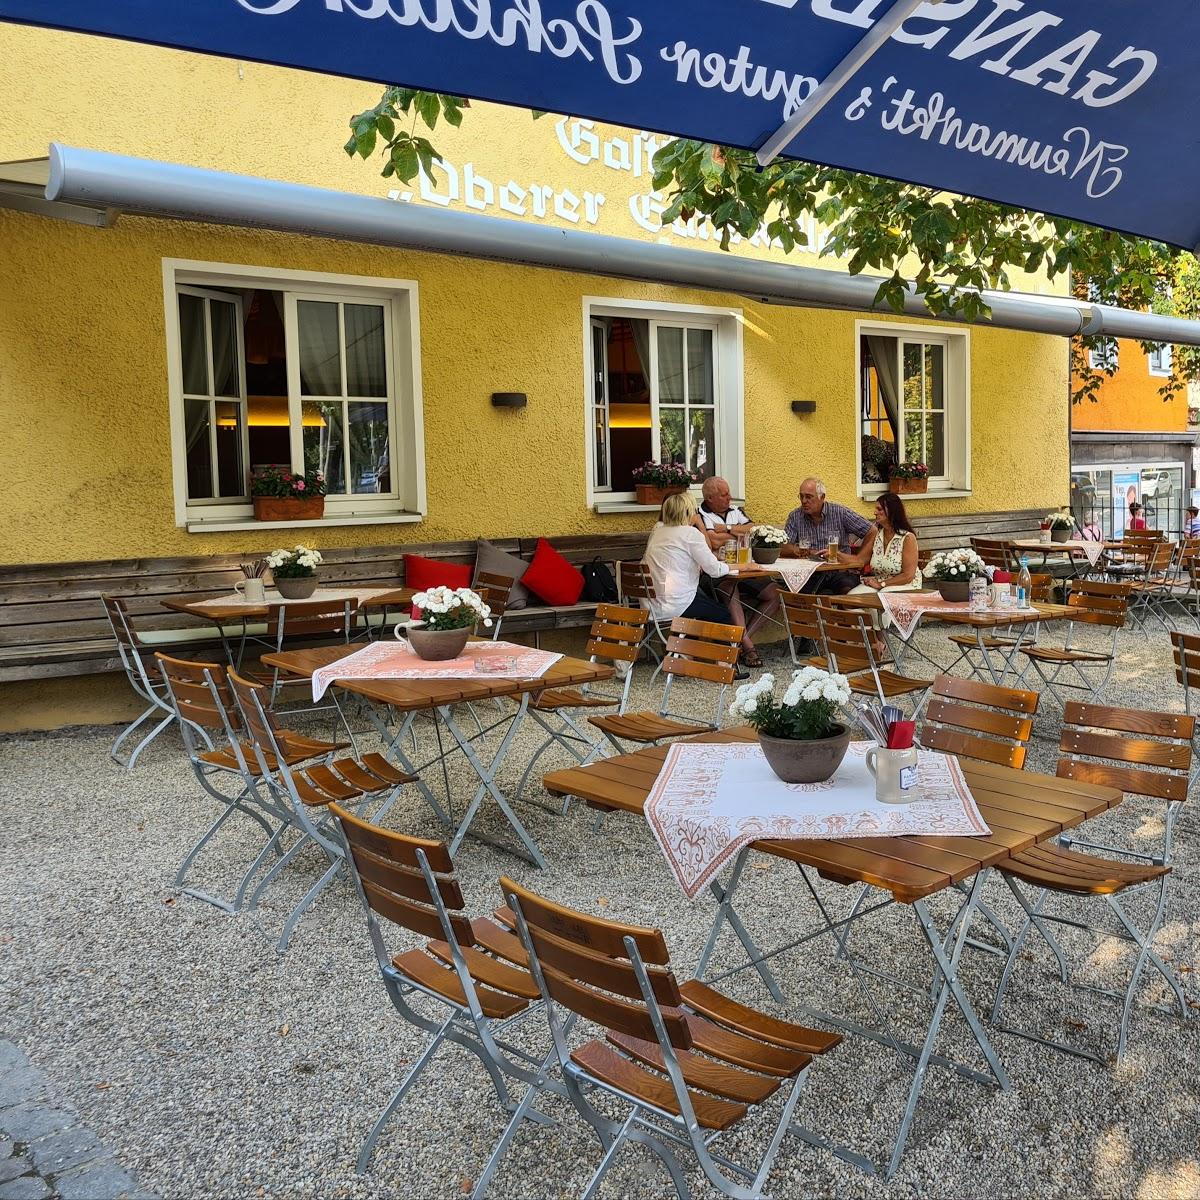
[[721, 521]]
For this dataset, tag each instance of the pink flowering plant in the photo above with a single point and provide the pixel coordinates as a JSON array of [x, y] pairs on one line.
[[283, 484], [664, 475], [909, 470]]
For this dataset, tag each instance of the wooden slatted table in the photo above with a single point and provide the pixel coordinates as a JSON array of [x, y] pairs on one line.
[[439, 697], [1021, 808]]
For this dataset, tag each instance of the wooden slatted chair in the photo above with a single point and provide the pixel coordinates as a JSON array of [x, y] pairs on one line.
[[1094, 603], [635, 588], [1041, 590], [147, 686], [803, 625], [305, 793], [847, 634], [1188, 598], [494, 590], [615, 637], [1155, 588], [200, 696], [1096, 747], [307, 619], [701, 650], [1136, 547], [979, 720], [995, 552], [472, 973], [686, 1062]]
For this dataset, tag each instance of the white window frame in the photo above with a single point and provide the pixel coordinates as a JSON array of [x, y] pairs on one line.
[[956, 481], [400, 298], [728, 384], [1106, 354], [1158, 361]]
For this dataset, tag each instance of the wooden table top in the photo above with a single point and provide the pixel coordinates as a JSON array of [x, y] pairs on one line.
[[372, 596], [982, 620], [410, 694], [1022, 809]]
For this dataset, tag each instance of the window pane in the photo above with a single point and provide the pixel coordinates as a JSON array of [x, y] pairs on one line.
[[700, 366], [703, 447], [934, 394], [670, 435], [670, 366], [600, 440], [324, 444], [913, 392], [225, 348], [193, 345], [230, 475], [320, 350], [199, 452], [370, 469], [599, 362], [366, 362], [924, 440]]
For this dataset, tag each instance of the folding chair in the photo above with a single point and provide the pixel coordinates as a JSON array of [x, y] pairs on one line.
[[1091, 603], [995, 552], [1093, 739], [702, 650], [686, 1062], [304, 795], [1130, 561], [494, 590], [200, 696], [1154, 589], [846, 634], [615, 637], [1005, 643], [635, 588], [146, 685], [306, 619], [472, 973], [800, 616], [1189, 579]]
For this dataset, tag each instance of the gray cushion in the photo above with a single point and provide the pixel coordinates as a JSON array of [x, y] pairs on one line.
[[495, 561]]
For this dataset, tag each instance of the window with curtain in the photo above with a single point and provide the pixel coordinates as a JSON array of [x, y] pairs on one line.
[[913, 396], [275, 377], [654, 395]]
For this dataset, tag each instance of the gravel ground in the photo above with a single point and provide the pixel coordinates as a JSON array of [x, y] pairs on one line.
[[216, 1068]]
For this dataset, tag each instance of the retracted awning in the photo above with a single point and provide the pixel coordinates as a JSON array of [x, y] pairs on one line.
[[74, 181], [1090, 111]]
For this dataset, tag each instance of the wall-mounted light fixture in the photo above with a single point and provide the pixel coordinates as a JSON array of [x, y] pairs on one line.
[[804, 406], [509, 399]]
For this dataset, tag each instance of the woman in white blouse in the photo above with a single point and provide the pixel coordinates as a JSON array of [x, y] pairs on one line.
[[676, 553], [893, 555]]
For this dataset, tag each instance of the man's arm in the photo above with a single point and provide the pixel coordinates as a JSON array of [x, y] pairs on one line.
[[715, 537], [856, 527]]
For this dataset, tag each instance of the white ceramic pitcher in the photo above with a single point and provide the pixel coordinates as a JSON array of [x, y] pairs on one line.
[[895, 773], [251, 590]]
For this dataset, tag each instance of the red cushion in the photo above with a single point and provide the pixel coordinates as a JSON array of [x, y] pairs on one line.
[[551, 578], [422, 573]]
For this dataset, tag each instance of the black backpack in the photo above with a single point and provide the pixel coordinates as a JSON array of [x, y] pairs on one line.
[[598, 582]]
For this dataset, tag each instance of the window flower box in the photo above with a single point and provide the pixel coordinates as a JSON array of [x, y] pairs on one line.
[[909, 478], [654, 482], [281, 495], [276, 508]]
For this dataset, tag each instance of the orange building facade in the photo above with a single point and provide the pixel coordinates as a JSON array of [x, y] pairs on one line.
[[1130, 444]]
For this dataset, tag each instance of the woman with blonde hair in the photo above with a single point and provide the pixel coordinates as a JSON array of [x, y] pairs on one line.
[[676, 554]]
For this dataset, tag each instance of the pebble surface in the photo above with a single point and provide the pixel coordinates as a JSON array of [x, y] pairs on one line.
[[202, 1064]]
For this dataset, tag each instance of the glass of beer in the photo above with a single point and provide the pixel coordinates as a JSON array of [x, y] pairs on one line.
[[743, 550], [831, 550]]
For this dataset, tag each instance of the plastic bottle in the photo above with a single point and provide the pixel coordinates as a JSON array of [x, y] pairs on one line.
[[1024, 584]]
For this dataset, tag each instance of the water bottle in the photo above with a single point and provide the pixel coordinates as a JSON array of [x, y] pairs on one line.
[[1024, 584]]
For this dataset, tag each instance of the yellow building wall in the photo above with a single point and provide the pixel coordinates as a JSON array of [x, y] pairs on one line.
[[1130, 401]]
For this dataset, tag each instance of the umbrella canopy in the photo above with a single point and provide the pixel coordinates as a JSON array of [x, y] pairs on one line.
[[1083, 110]]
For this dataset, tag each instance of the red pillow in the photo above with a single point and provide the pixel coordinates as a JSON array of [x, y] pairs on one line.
[[551, 578], [422, 573]]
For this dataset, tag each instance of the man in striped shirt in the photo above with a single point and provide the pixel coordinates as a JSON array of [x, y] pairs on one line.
[[816, 523]]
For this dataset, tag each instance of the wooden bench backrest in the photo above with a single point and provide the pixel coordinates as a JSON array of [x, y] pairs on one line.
[[949, 531]]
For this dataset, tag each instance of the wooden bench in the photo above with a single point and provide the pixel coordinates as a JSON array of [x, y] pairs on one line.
[[951, 530], [52, 622]]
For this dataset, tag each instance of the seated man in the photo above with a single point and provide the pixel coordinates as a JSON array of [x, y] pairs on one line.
[[721, 522], [817, 522]]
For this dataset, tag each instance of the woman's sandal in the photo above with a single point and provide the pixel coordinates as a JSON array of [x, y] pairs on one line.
[[751, 658]]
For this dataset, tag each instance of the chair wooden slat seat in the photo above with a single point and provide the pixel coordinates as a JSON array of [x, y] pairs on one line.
[[369, 771], [550, 700], [1055, 654], [427, 972], [890, 683], [645, 726], [490, 972], [719, 1041], [1063, 870], [602, 1062], [730, 1083], [499, 940], [708, 1002]]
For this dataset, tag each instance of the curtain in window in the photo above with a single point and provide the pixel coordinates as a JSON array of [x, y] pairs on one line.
[[641, 343], [887, 371], [320, 349]]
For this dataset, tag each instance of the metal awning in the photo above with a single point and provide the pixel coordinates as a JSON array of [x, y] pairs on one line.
[[74, 181], [1090, 111]]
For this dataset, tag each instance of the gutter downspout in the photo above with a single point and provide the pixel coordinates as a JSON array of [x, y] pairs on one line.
[[195, 194]]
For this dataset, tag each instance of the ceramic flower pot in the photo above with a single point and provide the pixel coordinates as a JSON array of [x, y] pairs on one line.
[[284, 508], [648, 493], [805, 762], [1060, 535], [297, 587], [954, 591], [764, 555], [436, 645]]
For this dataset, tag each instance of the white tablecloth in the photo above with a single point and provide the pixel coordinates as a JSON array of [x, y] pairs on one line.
[[796, 572], [394, 660], [713, 798]]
